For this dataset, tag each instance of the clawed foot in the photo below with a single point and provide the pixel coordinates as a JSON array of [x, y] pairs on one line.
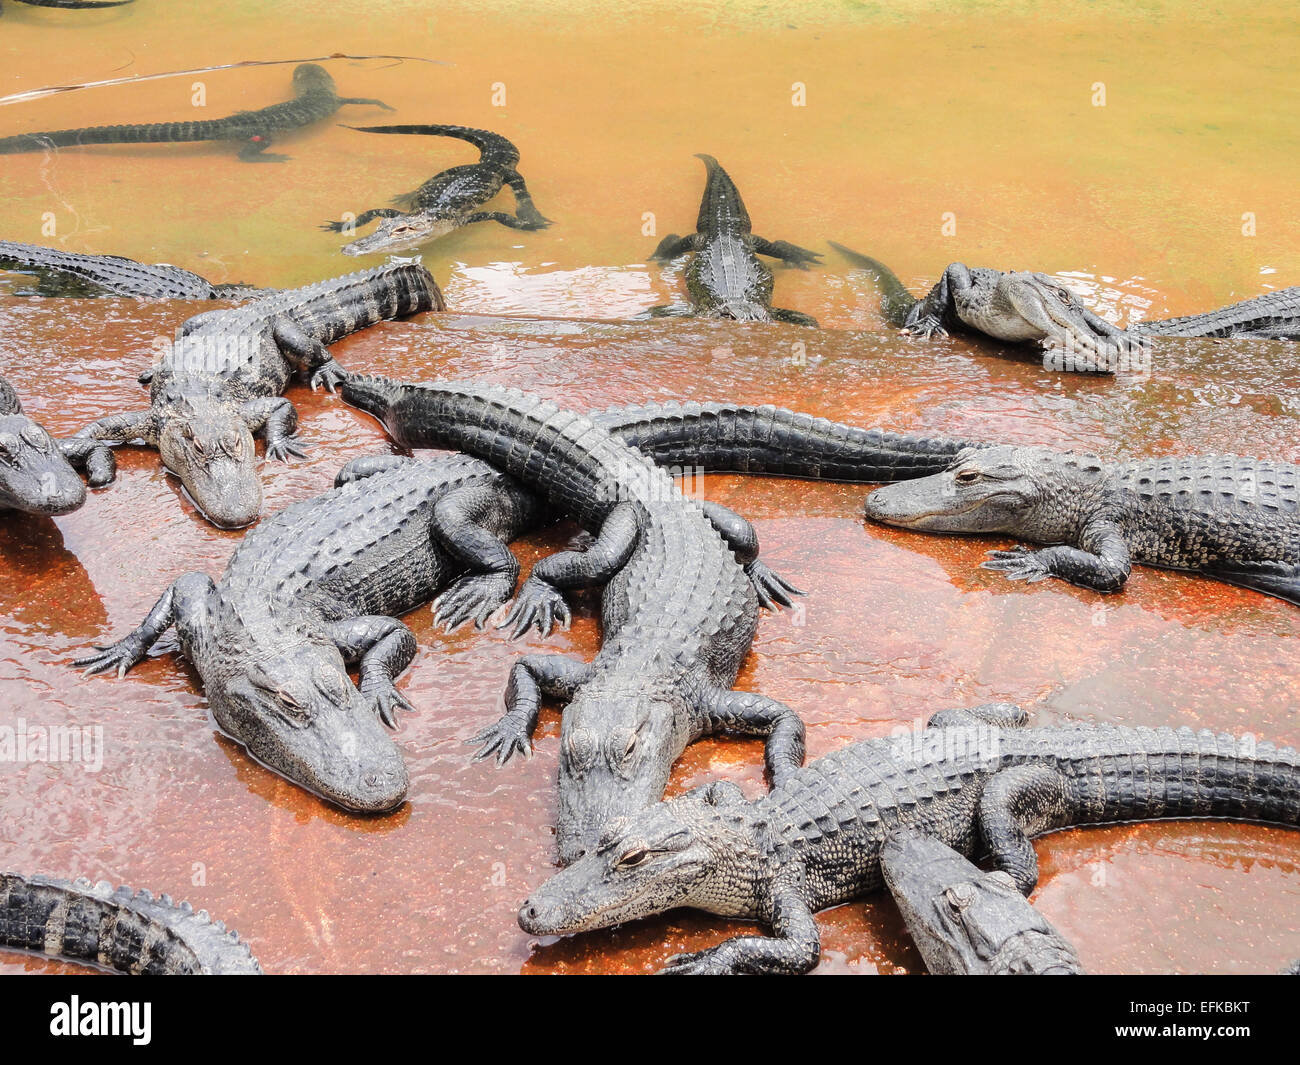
[[472, 598], [926, 328], [711, 962], [774, 592], [386, 698], [505, 738], [537, 603], [335, 227], [1019, 563], [329, 374], [119, 657], [282, 447]]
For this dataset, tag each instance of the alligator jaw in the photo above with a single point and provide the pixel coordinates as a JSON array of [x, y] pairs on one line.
[[400, 234]]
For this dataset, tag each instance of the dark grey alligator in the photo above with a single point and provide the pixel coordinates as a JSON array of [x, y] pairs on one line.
[[223, 379], [975, 781], [1237, 519], [38, 474], [315, 99], [72, 3], [1014, 306], [725, 278], [1273, 316], [964, 921], [66, 273], [448, 200], [299, 599], [129, 932]]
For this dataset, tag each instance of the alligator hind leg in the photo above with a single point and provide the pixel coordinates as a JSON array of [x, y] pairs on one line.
[[673, 246], [1018, 803], [998, 715], [463, 523], [786, 252], [1100, 562], [384, 647], [751, 714], [780, 314], [310, 354], [540, 602], [531, 678], [524, 206], [773, 592], [276, 418], [183, 604], [364, 218], [254, 151]]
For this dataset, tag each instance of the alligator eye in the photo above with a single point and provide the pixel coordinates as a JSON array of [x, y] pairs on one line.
[[288, 699], [968, 477], [958, 897], [36, 437], [630, 748], [631, 859]]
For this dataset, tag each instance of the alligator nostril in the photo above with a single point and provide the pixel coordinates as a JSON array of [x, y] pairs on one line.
[[532, 913]]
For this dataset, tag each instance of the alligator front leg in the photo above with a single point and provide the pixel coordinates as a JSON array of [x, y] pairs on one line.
[[796, 947], [369, 465], [184, 604], [751, 714], [1100, 562], [927, 316], [773, 591], [673, 246], [786, 252], [276, 419], [122, 429], [540, 602], [531, 678], [459, 525], [384, 647], [254, 150], [1018, 803], [364, 218], [91, 458], [524, 206], [310, 354]]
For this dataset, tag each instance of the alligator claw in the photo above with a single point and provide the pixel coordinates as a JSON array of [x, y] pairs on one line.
[[475, 598], [1018, 563], [281, 449], [709, 962], [773, 591], [926, 329], [387, 699], [120, 656], [505, 738], [537, 603], [329, 374]]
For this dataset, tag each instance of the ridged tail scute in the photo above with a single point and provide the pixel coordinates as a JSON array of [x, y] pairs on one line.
[[370, 393], [721, 200], [492, 147], [129, 932]]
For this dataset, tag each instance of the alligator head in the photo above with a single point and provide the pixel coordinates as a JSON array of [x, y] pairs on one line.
[[212, 453], [34, 475], [964, 920], [616, 752], [299, 714], [684, 852], [401, 234], [310, 77], [1029, 492]]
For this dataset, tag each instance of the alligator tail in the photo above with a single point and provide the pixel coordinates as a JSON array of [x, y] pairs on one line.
[[150, 133], [370, 393], [721, 199], [741, 439], [129, 932], [1281, 579], [493, 148], [895, 300]]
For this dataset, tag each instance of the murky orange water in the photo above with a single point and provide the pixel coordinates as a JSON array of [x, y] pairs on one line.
[[983, 111]]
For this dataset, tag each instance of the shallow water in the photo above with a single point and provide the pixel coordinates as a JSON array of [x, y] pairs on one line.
[[981, 110]]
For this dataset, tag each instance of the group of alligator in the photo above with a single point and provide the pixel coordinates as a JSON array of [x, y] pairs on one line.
[[320, 587]]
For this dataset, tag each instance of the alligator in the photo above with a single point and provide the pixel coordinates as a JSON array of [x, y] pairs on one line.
[[75, 274], [978, 780], [314, 99], [448, 200], [964, 921], [1271, 316], [134, 933], [1015, 306], [270, 639], [223, 380], [1236, 519], [72, 3], [38, 474], [725, 278]]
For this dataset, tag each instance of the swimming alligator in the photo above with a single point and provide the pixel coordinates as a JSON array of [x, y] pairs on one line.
[[76, 274], [725, 278], [38, 474], [1272, 316], [72, 3], [448, 200], [1236, 519], [314, 99], [1014, 306], [224, 377], [977, 780], [299, 599], [134, 933], [964, 921]]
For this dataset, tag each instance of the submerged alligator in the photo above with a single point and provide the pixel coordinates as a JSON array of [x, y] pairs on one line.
[[38, 474], [1016, 306], [964, 921], [223, 380], [72, 3], [977, 780], [1236, 519], [129, 932], [77, 274], [448, 200], [725, 278], [315, 99], [299, 599]]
